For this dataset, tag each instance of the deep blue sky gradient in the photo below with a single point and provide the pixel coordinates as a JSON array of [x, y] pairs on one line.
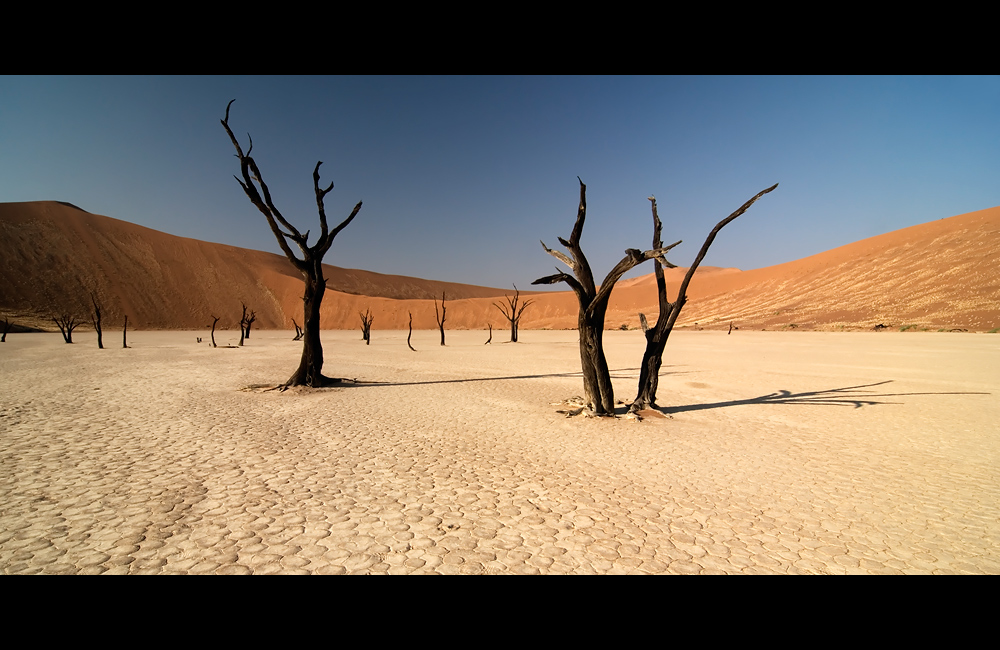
[[461, 176]]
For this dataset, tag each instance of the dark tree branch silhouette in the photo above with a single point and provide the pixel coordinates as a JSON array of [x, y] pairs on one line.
[[310, 265], [125, 333], [440, 316], [6, 328], [512, 312], [411, 332], [657, 335], [215, 320], [67, 322], [366, 326], [599, 393], [95, 320], [298, 331], [489, 340], [248, 322], [243, 324]]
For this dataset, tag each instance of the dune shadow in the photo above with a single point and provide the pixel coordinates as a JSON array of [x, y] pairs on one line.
[[854, 396]]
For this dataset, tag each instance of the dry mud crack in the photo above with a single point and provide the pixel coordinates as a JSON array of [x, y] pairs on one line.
[[152, 460]]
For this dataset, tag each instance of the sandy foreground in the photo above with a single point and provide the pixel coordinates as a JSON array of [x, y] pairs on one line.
[[783, 452]]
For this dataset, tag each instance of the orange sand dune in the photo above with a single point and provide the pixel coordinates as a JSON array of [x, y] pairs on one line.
[[943, 274]]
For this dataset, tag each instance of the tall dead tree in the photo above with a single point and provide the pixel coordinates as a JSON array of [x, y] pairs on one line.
[[440, 316], [243, 325], [298, 331], [657, 335], [125, 333], [366, 326], [215, 320], [512, 312], [310, 265], [66, 323], [599, 394], [411, 332], [6, 328], [95, 320]]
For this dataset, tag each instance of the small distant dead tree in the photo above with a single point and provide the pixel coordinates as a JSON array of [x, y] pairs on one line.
[[215, 320], [310, 265], [366, 326], [66, 323], [440, 316], [489, 340], [243, 325], [95, 320], [125, 333], [298, 331], [599, 393], [657, 335], [248, 322], [411, 332], [512, 312], [6, 328]]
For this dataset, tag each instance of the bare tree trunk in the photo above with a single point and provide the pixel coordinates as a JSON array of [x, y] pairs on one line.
[[250, 320], [125, 333], [512, 312], [215, 320], [411, 332], [95, 319], [309, 372], [440, 317], [6, 328], [599, 393], [366, 326], [491, 334], [66, 324], [298, 331], [243, 325], [656, 336]]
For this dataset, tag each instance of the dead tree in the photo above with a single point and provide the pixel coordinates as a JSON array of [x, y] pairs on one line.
[[67, 322], [125, 333], [248, 322], [95, 320], [298, 331], [243, 324], [512, 312], [366, 326], [440, 316], [215, 320], [6, 328], [599, 394], [489, 340], [657, 335], [411, 332], [310, 265]]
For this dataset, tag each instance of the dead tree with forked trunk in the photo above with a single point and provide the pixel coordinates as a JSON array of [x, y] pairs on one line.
[[67, 322], [298, 331], [512, 312], [366, 326], [310, 265], [248, 322], [599, 394], [657, 335], [440, 316]]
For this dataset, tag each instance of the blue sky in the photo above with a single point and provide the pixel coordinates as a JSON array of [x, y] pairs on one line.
[[462, 176]]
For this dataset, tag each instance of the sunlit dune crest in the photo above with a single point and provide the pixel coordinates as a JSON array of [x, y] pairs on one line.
[[942, 274]]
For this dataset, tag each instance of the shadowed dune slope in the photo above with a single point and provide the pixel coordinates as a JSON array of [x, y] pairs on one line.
[[943, 274]]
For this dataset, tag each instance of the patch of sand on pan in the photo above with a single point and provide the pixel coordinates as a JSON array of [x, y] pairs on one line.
[[807, 453]]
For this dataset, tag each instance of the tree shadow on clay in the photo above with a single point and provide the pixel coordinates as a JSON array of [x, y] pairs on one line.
[[848, 396]]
